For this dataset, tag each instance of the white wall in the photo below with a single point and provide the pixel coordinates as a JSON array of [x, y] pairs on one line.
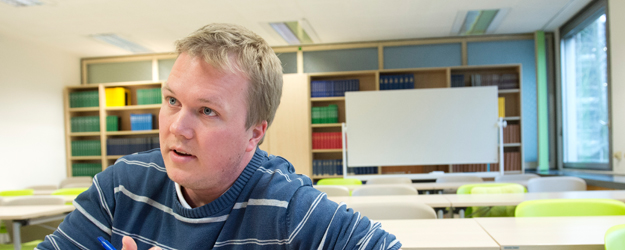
[[617, 68], [32, 144]]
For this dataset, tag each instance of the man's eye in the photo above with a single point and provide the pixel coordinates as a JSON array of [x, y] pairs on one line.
[[208, 111], [172, 101]]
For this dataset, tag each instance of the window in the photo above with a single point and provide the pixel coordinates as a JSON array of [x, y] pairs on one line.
[[584, 91]]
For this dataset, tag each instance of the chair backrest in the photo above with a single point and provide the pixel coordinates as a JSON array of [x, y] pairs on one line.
[[21, 192], [515, 177], [491, 188], [384, 190], [458, 178], [34, 200], [389, 180], [42, 187], [339, 181], [615, 238], [69, 191], [556, 184], [394, 210], [78, 181], [333, 190], [570, 207]]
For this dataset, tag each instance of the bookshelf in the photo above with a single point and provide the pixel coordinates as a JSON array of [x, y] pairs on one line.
[[506, 77], [108, 128]]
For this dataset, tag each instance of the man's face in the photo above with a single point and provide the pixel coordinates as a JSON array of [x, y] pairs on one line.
[[202, 125]]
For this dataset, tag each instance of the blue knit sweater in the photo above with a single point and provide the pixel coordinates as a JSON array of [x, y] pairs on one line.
[[268, 207]]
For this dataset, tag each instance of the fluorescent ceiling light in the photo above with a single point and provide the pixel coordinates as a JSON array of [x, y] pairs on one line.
[[478, 22], [22, 3], [117, 41], [296, 32]]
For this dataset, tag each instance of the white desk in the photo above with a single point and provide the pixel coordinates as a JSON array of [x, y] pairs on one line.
[[31, 215], [438, 202], [439, 234], [550, 233], [433, 187]]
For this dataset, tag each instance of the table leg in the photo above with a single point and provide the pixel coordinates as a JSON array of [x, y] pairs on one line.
[[440, 213], [461, 212], [17, 239]]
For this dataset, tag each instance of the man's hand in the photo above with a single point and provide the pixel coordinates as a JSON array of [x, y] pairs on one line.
[[129, 244]]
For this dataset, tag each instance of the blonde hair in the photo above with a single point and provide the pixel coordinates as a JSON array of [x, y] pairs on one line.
[[219, 43]]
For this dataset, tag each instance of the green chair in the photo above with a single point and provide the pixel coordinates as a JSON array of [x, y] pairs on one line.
[[21, 192], [491, 188], [339, 181], [28, 245], [13, 193], [615, 238], [570, 207], [69, 193]]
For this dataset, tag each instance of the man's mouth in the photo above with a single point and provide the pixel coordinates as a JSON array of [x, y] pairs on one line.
[[182, 153]]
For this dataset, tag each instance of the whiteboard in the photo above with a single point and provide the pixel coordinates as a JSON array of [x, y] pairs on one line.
[[422, 126]]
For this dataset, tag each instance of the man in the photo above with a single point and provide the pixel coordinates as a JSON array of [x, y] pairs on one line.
[[209, 186]]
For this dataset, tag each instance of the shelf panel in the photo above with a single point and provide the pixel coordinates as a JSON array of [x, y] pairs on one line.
[[86, 109], [76, 134], [113, 157], [135, 107], [512, 118], [512, 144], [139, 132], [327, 150], [326, 125], [326, 99], [94, 157], [508, 91], [326, 176]]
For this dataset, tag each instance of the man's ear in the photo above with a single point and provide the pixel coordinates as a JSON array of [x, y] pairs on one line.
[[258, 132]]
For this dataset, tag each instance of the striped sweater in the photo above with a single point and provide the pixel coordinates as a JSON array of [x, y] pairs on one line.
[[268, 207]]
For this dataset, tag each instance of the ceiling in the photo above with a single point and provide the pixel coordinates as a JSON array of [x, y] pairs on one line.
[[156, 24]]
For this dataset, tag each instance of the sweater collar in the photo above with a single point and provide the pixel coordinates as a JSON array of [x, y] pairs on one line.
[[226, 200]]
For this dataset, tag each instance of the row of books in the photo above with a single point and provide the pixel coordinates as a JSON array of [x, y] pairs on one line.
[[512, 161], [512, 133], [329, 88], [327, 140], [141, 121], [403, 81], [362, 170], [487, 167], [82, 99], [125, 146], [86, 148], [86, 169], [502, 81], [92, 123], [329, 114], [117, 96], [414, 169], [328, 167], [149, 96]]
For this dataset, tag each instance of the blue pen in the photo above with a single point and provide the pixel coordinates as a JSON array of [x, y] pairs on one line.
[[106, 244]]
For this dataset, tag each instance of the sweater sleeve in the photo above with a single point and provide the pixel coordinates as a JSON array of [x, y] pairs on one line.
[[314, 222], [92, 218]]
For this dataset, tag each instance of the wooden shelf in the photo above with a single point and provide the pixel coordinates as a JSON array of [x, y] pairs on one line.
[[508, 91], [327, 99], [326, 125], [512, 144], [327, 150], [77, 134], [94, 157], [87, 109], [113, 157], [512, 118], [326, 176], [139, 132], [135, 107]]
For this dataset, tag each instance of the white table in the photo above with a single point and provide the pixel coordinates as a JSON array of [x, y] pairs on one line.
[[439, 234], [462, 201], [31, 215], [433, 187], [438, 202], [550, 233]]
